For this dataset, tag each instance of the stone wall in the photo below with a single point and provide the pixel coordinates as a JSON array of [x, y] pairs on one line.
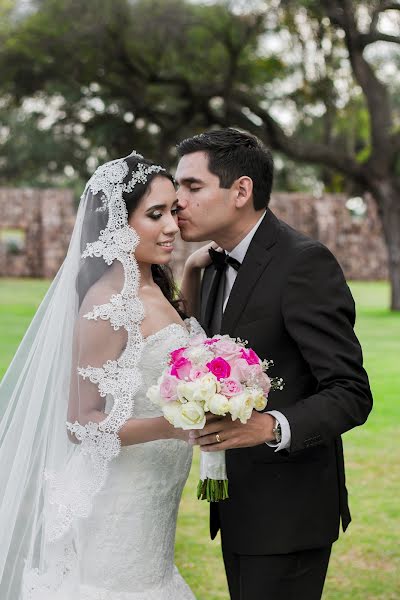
[[41, 221], [356, 242], [35, 229]]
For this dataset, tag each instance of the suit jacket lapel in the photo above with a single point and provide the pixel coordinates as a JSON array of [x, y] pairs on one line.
[[258, 255]]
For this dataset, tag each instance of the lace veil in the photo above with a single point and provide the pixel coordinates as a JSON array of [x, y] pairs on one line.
[[69, 390]]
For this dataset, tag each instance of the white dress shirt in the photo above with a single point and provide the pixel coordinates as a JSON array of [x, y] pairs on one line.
[[239, 252]]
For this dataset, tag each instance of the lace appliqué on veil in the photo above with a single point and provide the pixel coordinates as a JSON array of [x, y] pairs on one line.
[[59, 575], [120, 311]]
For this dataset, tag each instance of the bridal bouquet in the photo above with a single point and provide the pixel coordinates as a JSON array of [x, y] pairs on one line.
[[218, 375]]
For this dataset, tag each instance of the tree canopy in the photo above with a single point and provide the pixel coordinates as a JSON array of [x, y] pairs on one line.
[[317, 81]]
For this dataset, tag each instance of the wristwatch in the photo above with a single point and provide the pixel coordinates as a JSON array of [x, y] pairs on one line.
[[277, 431]]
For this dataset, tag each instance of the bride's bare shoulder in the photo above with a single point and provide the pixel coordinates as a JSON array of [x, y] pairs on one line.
[[158, 311], [99, 293], [98, 341]]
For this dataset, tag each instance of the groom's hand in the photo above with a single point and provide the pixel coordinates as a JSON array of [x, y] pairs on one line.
[[233, 434]]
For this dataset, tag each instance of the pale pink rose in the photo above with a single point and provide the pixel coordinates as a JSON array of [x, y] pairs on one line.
[[231, 387], [168, 388], [255, 370], [265, 383], [197, 372], [250, 356], [247, 373], [227, 349], [181, 368], [219, 367], [177, 354], [241, 370]]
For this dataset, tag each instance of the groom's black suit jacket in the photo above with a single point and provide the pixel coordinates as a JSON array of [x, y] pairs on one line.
[[291, 302]]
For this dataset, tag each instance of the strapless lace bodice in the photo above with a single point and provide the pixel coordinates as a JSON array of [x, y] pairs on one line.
[[153, 360], [129, 539]]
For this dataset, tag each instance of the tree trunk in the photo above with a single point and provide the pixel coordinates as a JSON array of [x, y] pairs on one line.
[[388, 197]]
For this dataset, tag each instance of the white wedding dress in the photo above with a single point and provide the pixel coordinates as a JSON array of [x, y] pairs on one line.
[[128, 541], [90, 520]]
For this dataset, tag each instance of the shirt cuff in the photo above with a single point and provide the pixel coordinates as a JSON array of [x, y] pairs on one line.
[[285, 429]]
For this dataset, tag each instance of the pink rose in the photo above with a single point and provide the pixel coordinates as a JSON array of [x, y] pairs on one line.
[[231, 387], [256, 370], [168, 388], [265, 383], [241, 370], [219, 367], [177, 354], [250, 356], [197, 372], [227, 349], [181, 368]]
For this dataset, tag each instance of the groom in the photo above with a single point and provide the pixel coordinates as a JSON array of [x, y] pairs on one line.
[[287, 296]]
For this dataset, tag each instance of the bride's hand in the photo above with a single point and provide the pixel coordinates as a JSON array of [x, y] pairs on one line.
[[176, 433], [181, 434], [191, 281], [200, 258]]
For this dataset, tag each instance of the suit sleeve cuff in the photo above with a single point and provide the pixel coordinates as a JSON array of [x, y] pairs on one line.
[[285, 429]]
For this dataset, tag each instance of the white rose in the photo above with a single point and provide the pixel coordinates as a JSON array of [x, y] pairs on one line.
[[241, 407], [259, 399], [186, 391], [192, 416], [205, 388], [218, 405], [153, 394], [172, 412]]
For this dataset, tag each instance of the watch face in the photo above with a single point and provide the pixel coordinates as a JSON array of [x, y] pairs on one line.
[[277, 432]]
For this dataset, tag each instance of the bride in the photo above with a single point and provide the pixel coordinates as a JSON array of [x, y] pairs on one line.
[[91, 474]]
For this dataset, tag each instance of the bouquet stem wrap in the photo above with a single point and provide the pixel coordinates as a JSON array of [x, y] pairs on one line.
[[213, 484]]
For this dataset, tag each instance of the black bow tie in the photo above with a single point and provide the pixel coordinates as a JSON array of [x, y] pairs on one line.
[[221, 259]]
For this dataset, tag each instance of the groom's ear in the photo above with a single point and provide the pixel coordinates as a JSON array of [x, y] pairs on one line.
[[243, 189]]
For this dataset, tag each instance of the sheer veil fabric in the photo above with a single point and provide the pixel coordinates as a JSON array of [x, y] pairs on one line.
[[78, 359]]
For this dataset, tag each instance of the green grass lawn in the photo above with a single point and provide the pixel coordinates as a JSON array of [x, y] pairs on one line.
[[365, 564]]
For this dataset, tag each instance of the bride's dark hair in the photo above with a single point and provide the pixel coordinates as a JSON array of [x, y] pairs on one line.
[[92, 269]]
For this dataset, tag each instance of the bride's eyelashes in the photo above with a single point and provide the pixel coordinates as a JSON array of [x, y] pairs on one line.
[[157, 214]]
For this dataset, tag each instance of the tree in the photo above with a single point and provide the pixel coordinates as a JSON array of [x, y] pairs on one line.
[[309, 78], [339, 32]]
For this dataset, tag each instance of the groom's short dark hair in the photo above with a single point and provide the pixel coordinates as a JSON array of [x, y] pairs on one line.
[[232, 154]]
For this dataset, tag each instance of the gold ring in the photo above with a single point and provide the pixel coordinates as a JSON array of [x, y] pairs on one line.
[[218, 438]]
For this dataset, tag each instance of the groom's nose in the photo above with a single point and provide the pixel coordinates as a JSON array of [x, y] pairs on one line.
[[182, 202]]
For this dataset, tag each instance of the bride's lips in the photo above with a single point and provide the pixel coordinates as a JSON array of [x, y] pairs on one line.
[[168, 246]]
